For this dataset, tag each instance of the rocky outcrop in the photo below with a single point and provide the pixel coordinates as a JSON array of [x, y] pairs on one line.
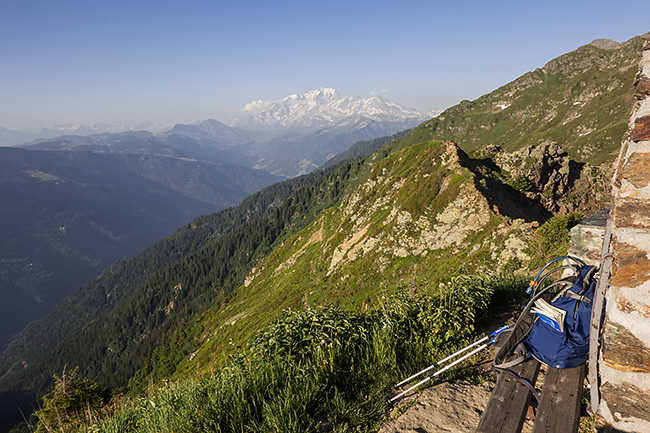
[[546, 174], [383, 223], [605, 44]]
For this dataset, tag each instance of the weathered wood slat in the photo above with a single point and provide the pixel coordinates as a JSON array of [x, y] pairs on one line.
[[559, 408], [508, 403]]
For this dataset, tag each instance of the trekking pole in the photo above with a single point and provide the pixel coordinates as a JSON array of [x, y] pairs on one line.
[[442, 361], [483, 346], [442, 370]]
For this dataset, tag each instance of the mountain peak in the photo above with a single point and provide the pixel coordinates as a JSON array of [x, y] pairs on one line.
[[606, 44], [319, 95], [320, 108]]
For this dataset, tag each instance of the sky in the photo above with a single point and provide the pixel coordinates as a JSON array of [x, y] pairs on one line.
[[125, 62]]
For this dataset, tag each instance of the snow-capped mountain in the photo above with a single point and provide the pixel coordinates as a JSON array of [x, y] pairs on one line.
[[320, 108]]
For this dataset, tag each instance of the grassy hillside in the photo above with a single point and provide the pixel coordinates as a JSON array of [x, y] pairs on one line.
[[418, 218], [580, 100], [324, 324], [313, 369]]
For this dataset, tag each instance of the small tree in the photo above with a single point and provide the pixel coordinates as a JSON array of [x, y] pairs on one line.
[[72, 402]]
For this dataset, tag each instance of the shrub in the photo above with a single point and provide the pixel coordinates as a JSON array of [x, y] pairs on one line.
[[521, 183], [73, 401], [551, 239]]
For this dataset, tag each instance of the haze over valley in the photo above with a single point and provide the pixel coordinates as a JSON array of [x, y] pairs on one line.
[[80, 202]]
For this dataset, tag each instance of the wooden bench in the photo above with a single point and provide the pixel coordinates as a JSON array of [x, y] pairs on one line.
[[559, 406]]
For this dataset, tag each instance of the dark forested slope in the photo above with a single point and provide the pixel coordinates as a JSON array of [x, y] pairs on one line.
[[68, 215], [112, 324]]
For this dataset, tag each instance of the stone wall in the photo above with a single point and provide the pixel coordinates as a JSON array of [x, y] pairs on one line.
[[624, 364], [587, 237]]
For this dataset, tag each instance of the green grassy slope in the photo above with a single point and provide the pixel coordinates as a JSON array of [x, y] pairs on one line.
[[580, 100], [418, 217]]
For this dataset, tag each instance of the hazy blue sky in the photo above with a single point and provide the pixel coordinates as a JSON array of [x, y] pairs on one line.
[[123, 62]]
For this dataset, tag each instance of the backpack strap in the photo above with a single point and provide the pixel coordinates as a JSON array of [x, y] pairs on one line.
[[525, 382], [569, 294]]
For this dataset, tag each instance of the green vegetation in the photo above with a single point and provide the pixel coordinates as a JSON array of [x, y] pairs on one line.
[[580, 100], [552, 239], [319, 367], [520, 183], [73, 402]]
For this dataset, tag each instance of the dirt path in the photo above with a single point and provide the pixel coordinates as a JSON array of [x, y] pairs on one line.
[[448, 407]]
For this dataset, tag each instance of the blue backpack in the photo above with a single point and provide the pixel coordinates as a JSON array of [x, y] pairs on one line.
[[553, 328], [569, 347]]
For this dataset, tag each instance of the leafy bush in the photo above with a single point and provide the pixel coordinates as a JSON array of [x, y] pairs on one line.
[[300, 334], [521, 183], [552, 239]]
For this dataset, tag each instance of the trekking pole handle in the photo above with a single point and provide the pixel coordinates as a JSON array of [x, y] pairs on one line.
[[496, 333]]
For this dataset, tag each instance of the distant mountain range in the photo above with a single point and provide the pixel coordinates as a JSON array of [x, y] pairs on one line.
[[9, 137], [68, 215], [77, 202], [287, 137]]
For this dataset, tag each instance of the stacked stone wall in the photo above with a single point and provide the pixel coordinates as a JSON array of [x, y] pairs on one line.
[[624, 359]]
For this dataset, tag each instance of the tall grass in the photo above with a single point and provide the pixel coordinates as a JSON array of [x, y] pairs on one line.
[[318, 368]]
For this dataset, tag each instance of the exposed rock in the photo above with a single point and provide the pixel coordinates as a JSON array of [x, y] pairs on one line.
[[637, 169], [623, 351], [587, 237], [624, 371], [605, 44], [631, 267], [642, 87], [641, 130], [628, 307], [631, 212], [625, 400], [556, 181]]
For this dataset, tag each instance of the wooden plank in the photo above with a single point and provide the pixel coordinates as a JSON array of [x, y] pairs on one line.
[[559, 410], [508, 403]]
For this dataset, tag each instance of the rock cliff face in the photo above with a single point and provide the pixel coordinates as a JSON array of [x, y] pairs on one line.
[[547, 174]]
